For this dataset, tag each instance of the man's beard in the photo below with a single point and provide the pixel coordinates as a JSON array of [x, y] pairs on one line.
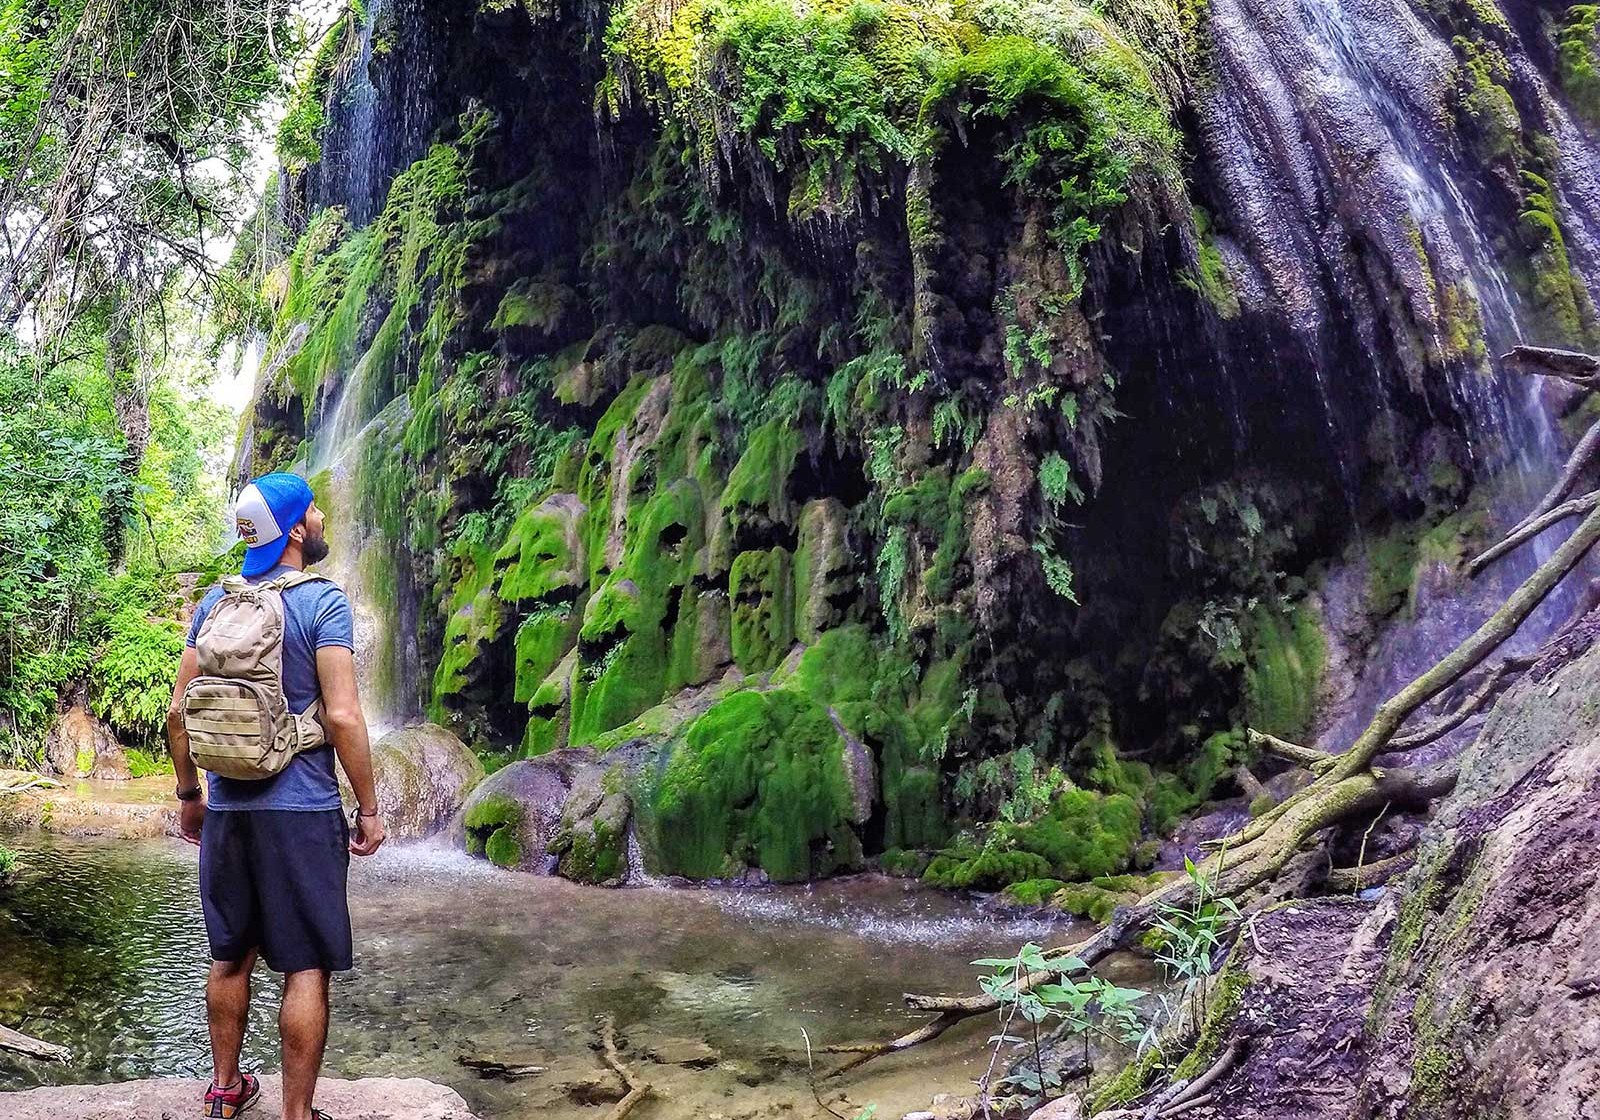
[[314, 549]]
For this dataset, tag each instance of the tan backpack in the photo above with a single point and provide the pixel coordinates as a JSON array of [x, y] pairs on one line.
[[235, 712]]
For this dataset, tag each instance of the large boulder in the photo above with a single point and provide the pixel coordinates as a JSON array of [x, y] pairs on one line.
[[423, 775], [77, 736], [516, 812], [591, 840]]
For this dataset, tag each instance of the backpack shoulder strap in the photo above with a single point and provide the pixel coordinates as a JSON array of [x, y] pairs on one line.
[[295, 579]]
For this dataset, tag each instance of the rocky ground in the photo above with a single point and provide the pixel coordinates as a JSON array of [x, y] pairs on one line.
[[132, 808], [371, 1098]]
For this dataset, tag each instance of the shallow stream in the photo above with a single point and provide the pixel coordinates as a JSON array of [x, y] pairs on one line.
[[102, 950]]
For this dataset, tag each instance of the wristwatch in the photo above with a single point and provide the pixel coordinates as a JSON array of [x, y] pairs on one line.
[[190, 794]]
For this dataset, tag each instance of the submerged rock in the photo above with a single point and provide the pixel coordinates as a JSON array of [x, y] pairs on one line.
[[423, 775], [370, 1098]]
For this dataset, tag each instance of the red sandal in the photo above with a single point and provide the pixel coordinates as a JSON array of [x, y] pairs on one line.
[[225, 1104]]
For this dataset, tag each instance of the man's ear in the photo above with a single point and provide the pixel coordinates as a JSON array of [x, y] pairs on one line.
[[298, 533]]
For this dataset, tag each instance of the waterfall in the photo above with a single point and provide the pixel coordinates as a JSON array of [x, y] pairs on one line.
[[1328, 130]]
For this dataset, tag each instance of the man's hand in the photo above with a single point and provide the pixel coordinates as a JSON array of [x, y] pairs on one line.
[[191, 815], [369, 834]]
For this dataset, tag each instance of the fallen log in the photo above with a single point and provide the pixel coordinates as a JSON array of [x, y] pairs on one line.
[[19, 1043]]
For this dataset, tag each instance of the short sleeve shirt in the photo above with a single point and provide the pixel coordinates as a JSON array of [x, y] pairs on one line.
[[316, 614]]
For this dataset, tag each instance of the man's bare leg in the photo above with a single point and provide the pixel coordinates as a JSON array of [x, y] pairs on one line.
[[227, 1012], [303, 1025]]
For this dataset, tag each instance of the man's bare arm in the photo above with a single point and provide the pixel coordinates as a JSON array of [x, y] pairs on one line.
[[346, 725], [191, 814]]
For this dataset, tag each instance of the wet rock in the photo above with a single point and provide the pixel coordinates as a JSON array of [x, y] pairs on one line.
[[371, 1098], [514, 814], [76, 735], [423, 776], [591, 840], [687, 1052], [824, 569], [595, 1089], [860, 772], [1062, 1108]]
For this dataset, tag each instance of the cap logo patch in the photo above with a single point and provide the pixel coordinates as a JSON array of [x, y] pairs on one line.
[[253, 518]]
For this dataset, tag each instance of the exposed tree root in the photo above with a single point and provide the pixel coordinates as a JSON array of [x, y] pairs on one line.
[[1347, 786], [1348, 880], [637, 1089], [1249, 784], [1491, 686], [1309, 757], [39, 782]]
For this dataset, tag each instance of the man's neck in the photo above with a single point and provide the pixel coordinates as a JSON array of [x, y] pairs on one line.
[[293, 557]]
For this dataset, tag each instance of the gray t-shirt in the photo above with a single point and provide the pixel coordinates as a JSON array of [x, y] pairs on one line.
[[316, 614]]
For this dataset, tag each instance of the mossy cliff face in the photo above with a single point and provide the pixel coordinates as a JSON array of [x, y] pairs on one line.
[[746, 380]]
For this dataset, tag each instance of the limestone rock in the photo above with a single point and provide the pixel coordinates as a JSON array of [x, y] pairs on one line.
[[516, 812], [687, 1052], [76, 734], [824, 569], [591, 842], [423, 775], [371, 1098], [1062, 1108]]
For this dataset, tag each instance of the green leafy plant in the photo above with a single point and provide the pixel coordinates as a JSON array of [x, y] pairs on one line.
[[1083, 1008], [1192, 935], [9, 860]]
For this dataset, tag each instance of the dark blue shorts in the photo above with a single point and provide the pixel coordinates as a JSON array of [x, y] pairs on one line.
[[274, 880]]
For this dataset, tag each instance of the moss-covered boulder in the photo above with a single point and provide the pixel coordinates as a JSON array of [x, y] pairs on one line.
[[423, 775], [516, 812], [591, 841], [761, 780], [1083, 835]]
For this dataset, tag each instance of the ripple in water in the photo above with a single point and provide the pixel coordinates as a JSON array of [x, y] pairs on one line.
[[102, 950]]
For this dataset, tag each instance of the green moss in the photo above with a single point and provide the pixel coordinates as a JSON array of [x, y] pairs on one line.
[[1083, 835], [491, 830], [1283, 671], [1578, 65], [984, 869], [761, 586], [1210, 278], [594, 853], [503, 849], [758, 780], [1483, 101], [1227, 995], [1131, 1082], [1033, 892], [903, 863], [1560, 295], [756, 486]]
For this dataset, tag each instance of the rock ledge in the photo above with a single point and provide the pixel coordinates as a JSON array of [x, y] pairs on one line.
[[371, 1098]]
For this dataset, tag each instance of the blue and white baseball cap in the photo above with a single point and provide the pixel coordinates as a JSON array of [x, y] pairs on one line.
[[267, 509]]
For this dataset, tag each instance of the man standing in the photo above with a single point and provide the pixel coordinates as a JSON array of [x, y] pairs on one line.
[[275, 851]]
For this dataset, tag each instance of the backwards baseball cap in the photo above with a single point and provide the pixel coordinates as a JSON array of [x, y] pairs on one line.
[[267, 509]]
